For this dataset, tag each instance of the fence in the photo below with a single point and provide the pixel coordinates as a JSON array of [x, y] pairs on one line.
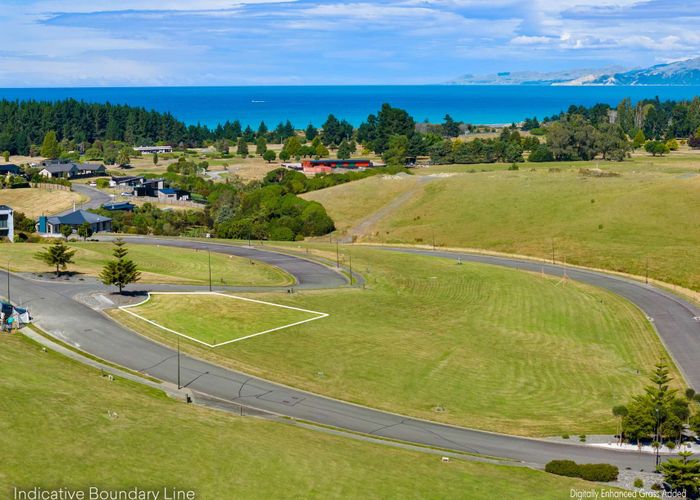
[[48, 185], [168, 201]]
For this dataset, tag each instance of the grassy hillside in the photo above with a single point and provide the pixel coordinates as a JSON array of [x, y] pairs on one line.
[[61, 424], [34, 202], [159, 264], [469, 344], [650, 211]]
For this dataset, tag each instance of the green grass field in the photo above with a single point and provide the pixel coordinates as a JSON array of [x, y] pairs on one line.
[[649, 212], [218, 318], [159, 264], [57, 428], [472, 345]]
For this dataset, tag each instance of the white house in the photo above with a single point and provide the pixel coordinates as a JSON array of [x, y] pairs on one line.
[[7, 223], [149, 150]]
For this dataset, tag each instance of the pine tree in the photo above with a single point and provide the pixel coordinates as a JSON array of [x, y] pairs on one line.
[[121, 271], [683, 474], [49, 147], [242, 148], [58, 254], [260, 146]]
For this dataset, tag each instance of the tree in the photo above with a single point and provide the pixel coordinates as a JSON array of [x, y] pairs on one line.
[[321, 151], [311, 132], [620, 411], [6, 155], [155, 158], [66, 230], [292, 146], [284, 155], [658, 413], [85, 230], [395, 154], [123, 156], [683, 474], [450, 128], [656, 148], [260, 146], [269, 156], [121, 271], [50, 148], [639, 139], [242, 147], [57, 254], [344, 151]]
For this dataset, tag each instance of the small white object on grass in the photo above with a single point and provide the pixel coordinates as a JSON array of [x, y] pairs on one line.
[[445, 459]]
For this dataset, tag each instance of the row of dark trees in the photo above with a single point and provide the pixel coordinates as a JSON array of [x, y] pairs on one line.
[[655, 118]]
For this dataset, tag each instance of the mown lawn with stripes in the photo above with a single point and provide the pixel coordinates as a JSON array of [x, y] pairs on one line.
[[158, 264], [67, 425], [468, 344]]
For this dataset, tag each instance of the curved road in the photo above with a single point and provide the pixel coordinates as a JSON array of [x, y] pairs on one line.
[[56, 312]]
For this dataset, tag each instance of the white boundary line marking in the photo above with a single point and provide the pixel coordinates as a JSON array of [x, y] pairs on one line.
[[319, 315]]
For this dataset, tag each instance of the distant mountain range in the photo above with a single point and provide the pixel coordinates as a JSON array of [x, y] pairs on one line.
[[685, 72]]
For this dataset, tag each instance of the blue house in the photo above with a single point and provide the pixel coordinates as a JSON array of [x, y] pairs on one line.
[[54, 224], [9, 168], [119, 206]]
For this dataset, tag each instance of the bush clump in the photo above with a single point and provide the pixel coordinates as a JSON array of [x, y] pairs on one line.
[[589, 472]]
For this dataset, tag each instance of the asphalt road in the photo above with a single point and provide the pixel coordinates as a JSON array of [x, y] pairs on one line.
[[56, 312], [95, 198]]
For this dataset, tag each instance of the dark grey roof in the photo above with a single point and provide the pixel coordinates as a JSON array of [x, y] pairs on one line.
[[77, 218], [9, 167], [56, 168], [5, 207], [90, 166]]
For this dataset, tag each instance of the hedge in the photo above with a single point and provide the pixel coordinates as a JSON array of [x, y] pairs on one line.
[[589, 472]]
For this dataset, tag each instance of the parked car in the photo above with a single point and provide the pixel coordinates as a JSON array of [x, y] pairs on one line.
[[127, 194]]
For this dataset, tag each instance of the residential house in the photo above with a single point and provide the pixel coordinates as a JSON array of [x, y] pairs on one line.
[[9, 168], [52, 225], [7, 223], [149, 150], [129, 180], [70, 170], [149, 187], [119, 206]]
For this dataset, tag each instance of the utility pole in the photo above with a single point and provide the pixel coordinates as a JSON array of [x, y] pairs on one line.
[[350, 261], [9, 295], [552, 250], [433, 240], [337, 254], [646, 277], [209, 252], [179, 386]]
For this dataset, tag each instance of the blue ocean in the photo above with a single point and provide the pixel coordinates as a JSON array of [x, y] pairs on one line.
[[312, 104]]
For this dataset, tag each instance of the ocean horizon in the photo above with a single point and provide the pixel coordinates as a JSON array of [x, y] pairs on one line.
[[476, 104]]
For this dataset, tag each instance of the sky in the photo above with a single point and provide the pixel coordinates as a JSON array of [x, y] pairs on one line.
[[63, 43]]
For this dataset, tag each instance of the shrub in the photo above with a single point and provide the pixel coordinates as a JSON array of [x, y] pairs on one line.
[[589, 472], [638, 483], [102, 183], [598, 472], [567, 468]]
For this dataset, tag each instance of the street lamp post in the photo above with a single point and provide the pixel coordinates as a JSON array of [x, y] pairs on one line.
[[179, 385], [9, 295], [337, 254], [350, 262], [209, 254], [658, 438]]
